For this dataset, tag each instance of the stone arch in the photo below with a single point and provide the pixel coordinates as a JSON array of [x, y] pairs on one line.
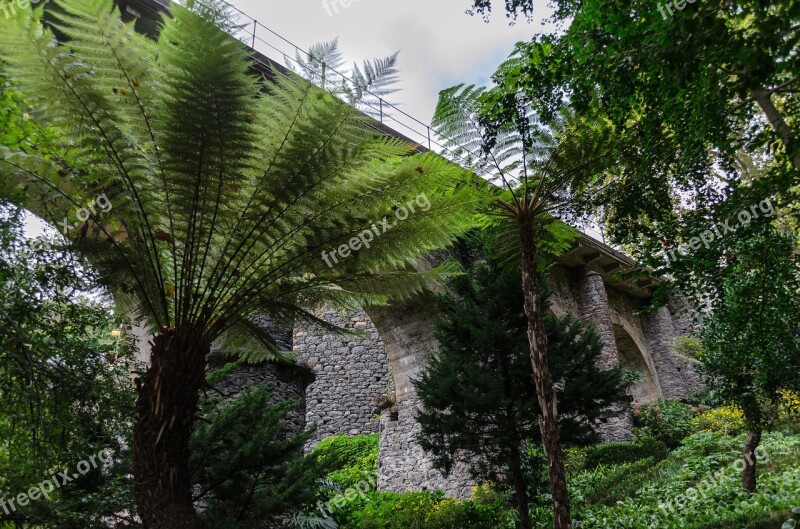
[[633, 354]]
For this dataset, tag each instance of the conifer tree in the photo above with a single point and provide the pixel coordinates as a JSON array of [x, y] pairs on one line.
[[479, 400]]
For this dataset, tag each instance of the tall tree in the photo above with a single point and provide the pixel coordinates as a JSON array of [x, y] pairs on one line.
[[224, 198], [478, 403], [65, 390], [751, 349], [540, 168]]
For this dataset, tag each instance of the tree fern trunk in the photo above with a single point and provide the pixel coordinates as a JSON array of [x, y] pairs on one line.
[[545, 392], [166, 406]]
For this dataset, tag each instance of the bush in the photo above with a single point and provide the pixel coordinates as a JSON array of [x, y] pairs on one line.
[[668, 420], [789, 408], [341, 451], [616, 453], [426, 510], [726, 420]]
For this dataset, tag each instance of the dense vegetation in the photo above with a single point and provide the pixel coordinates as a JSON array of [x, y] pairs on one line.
[[629, 485], [190, 196]]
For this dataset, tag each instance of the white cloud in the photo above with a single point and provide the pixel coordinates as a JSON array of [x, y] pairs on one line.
[[440, 45]]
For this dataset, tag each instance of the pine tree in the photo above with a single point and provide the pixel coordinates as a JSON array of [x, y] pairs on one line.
[[479, 402], [247, 461]]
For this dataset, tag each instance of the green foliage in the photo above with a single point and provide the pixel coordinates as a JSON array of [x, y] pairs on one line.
[[706, 464], [17, 128], [479, 402], [426, 510], [750, 338], [725, 420], [617, 453], [64, 386], [247, 467], [301, 520], [688, 347], [362, 87], [687, 94], [667, 420], [222, 204], [339, 452]]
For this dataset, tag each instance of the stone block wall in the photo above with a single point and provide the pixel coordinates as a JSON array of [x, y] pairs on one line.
[[358, 375], [350, 372], [286, 381]]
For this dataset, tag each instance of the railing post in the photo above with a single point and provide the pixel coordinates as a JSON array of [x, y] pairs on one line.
[[255, 25], [380, 99], [429, 137]]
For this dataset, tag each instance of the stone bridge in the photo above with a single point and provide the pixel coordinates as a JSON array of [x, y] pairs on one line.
[[355, 375], [363, 384]]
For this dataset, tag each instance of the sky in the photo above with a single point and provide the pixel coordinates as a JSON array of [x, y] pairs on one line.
[[440, 45]]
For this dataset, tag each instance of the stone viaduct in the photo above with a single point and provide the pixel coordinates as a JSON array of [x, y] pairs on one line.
[[363, 384], [358, 384]]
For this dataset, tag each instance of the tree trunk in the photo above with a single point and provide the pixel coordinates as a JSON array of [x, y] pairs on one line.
[[168, 394], [521, 490], [545, 392], [749, 454], [780, 126]]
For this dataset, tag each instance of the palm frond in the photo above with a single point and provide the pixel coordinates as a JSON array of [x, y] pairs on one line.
[[224, 195]]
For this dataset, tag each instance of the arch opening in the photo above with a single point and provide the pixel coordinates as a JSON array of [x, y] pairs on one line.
[[646, 389]]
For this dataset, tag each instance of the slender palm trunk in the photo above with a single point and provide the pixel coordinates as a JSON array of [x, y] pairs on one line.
[[168, 394], [521, 492], [545, 392], [749, 454]]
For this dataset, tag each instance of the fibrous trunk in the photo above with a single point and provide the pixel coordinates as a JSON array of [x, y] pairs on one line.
[[749, 454], [166, 406], [545, 392]]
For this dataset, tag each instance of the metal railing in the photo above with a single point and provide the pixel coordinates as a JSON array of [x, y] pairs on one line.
[[277, 48]]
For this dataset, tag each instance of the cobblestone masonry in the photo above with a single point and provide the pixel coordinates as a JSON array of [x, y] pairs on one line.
[[353, 373]]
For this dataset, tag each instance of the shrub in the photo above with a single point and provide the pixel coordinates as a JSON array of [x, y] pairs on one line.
[[725, 420], [615, 453], [789, 408], [667, 420], [426, 510], [341, 451]]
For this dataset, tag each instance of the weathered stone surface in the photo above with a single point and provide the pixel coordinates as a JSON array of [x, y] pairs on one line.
[[350, 371], [286, 382], [353, 374]]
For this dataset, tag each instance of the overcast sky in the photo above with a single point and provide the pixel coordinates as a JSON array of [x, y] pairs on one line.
[[440, 45]]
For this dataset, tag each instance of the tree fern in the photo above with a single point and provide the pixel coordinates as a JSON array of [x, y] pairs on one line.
[[224, 194], [363, 87], [540, 169]]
